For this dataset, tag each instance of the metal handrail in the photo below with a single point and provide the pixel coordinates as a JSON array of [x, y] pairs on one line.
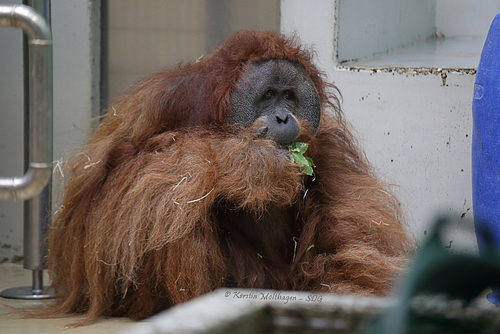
[[40, 96]]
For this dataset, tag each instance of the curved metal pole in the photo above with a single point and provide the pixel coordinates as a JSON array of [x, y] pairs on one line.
[[41, 133], [35, 183]]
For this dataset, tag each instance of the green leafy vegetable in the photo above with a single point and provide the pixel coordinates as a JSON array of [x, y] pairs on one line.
[[309, 248], [297, 150]]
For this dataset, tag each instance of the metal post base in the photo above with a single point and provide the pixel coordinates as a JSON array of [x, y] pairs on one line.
[[35, 292], [27, 293]]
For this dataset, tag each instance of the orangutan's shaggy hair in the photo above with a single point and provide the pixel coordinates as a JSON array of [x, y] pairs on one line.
[[146, 218]]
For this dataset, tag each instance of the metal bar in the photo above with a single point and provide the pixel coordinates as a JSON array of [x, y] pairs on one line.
[[37, 282], [35, 183], [36, 223], [36, 210], [40, 91]]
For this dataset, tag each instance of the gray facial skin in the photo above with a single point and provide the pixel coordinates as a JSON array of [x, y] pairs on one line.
[[278, 92]]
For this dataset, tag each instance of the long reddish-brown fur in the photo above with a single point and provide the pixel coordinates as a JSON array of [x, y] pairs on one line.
[[146, 218]]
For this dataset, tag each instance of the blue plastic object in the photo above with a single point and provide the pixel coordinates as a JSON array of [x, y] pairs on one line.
[[486, 144]]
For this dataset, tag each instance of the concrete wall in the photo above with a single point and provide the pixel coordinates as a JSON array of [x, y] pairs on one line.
[[164, 33], [415, 126], [465, 18], [11, 138], [385, 25], [76, 74]]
